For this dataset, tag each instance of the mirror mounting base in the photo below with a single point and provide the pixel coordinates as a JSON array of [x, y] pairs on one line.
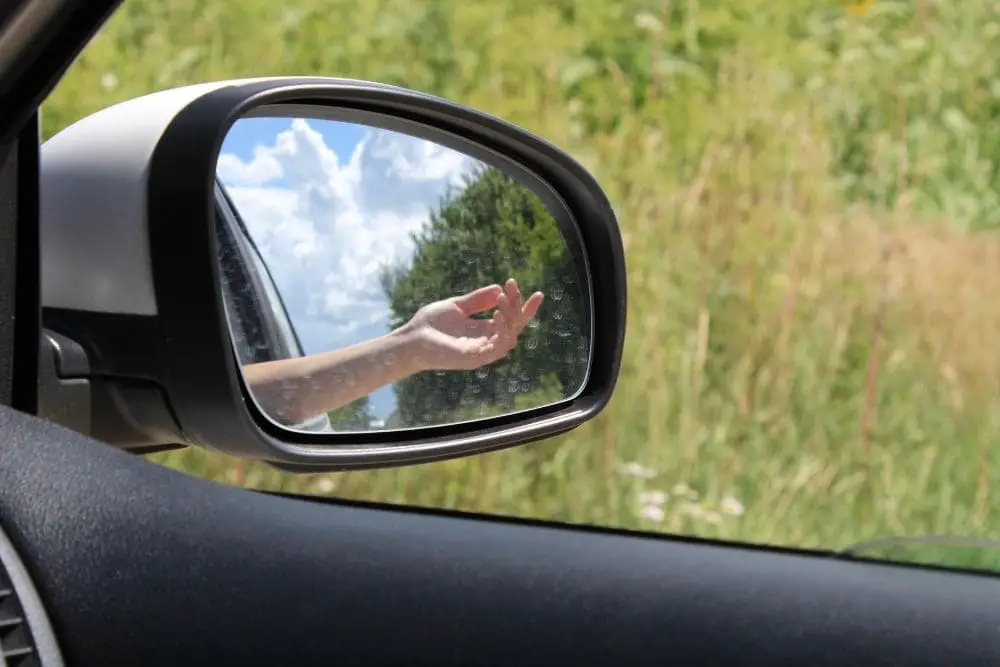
[[128, 414]]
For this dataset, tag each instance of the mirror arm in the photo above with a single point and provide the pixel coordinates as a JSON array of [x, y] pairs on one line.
[[125, 413], [64, 391]]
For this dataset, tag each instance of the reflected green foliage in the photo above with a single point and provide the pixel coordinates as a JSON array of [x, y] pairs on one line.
[[356, 416], [805, 196], [487, 230], [549, 390]]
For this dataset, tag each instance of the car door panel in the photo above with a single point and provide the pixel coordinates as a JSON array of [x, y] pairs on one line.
[[140, 564]]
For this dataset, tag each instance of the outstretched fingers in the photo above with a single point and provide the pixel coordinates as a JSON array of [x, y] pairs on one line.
[[499, 335], [531, 306], [520, 311], [479, 300], [513, 293]]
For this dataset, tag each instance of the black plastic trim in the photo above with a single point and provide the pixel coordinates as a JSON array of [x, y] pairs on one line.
[[64, 392], [114, 398], [59, 39], [9, 177], [117, 346], [28, 298], [200, 375]]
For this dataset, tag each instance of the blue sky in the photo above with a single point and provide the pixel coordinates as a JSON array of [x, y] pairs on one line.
[[325, 224]]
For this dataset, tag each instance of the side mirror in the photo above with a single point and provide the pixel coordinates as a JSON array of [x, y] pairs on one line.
[[323, 274]]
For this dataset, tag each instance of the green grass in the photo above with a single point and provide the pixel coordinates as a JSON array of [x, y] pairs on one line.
[[806, 197]]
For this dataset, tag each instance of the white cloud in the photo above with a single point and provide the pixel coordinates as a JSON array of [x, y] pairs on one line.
[[326, 224], [264, 167]]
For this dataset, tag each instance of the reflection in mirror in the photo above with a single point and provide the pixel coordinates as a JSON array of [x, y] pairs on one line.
[[376, 280]]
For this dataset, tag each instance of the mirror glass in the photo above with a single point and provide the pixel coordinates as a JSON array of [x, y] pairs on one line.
[[374, 279]]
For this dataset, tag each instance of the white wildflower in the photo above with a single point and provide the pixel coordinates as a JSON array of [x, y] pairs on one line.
[[699, 513], [713, 517], [732, 506], [652, 513], [653, 497], [684, 491], [647, 22], [634, 469]]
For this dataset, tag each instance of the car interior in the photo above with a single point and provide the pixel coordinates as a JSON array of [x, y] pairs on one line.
[[110, 559]]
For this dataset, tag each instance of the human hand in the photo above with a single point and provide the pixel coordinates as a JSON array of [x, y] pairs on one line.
[[448, 338]]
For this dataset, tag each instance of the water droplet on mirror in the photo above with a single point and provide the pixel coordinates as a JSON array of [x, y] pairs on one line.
[[390, 359], [531, 343], [482, 373]]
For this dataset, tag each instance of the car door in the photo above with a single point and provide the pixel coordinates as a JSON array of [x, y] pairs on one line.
[[136, 564]]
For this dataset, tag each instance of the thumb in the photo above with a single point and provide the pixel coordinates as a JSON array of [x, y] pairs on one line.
[[479, 300]]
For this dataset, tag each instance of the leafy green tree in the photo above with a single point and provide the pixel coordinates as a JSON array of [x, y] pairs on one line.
[[355, 416], [489, 229]]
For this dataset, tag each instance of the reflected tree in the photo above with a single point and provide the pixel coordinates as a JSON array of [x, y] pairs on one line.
[[484, 231], [355, 416]]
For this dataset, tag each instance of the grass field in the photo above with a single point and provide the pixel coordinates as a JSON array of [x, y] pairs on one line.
[[808, 196]]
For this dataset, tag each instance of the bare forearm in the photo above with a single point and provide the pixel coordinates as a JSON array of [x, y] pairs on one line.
[[296, 389]]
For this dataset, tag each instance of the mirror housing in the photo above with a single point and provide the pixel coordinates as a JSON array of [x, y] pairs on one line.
[[130, 276]]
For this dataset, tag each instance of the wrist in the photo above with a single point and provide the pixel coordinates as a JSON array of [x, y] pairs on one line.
[[408, 350]]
